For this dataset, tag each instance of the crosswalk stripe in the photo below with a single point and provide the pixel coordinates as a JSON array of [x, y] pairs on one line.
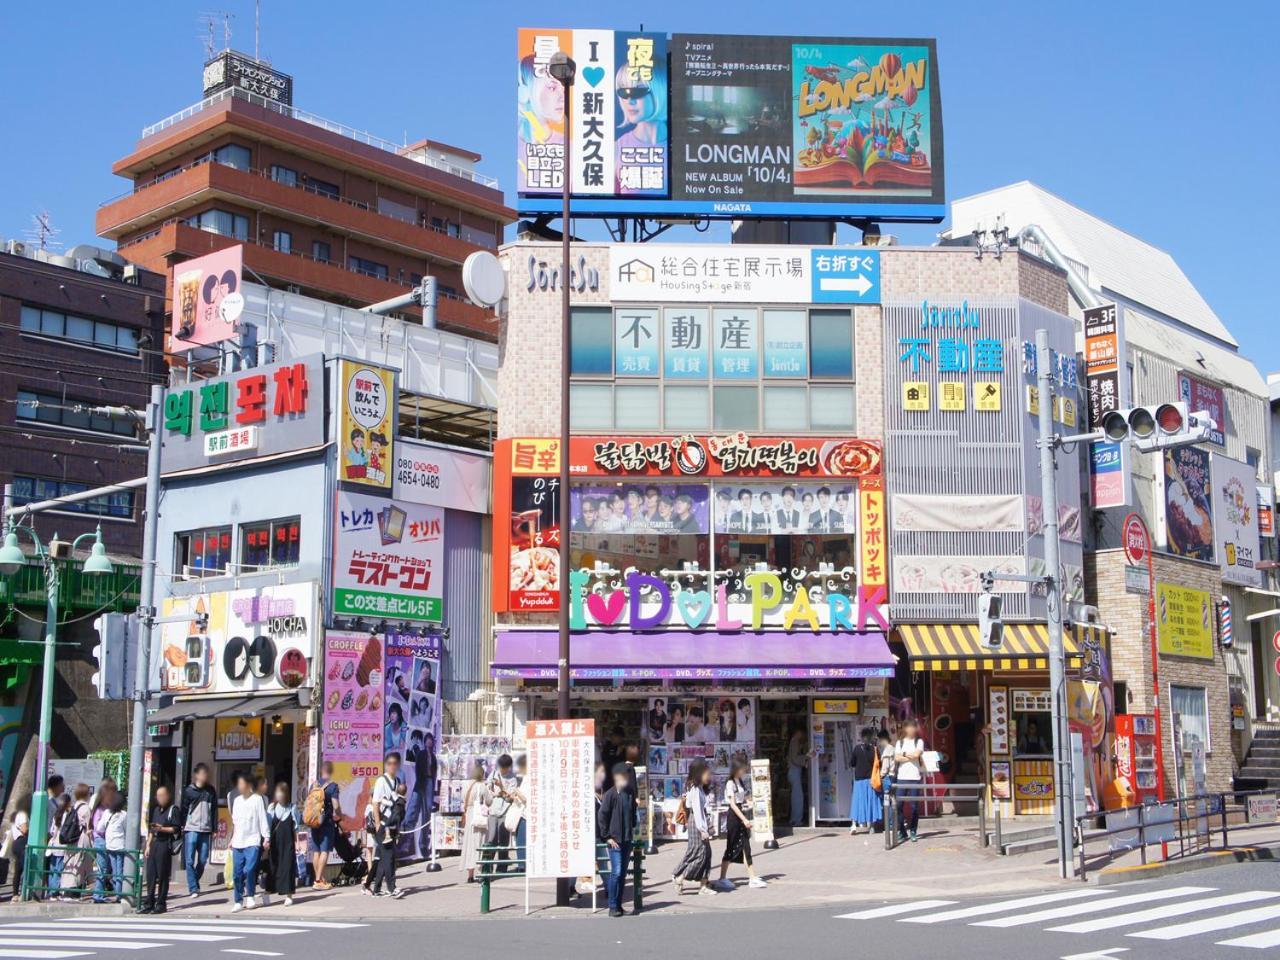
[[59, 942], [1095, 906], [1259, 941], [44, 954], [1001, 907], [238, 920], [208, 927], [1163, 913], [1222, 922], [894, 909], [254, 953], [120, 934]]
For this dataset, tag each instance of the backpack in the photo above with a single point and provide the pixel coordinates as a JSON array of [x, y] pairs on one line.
[[313, 808], [69, 831]]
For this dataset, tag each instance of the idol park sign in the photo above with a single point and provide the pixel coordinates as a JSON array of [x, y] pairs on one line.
[[642, 601]]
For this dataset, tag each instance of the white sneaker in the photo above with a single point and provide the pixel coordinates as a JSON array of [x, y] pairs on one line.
[[237, 908], [708, 891], [758, 882], [192, 896], [248, 903], [288, 901]]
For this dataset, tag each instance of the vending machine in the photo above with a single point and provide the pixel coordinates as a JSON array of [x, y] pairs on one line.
[[1136, 748]]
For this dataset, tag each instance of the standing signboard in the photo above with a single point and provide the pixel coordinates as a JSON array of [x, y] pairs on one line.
[[388, 559], [366, 424], [561, 818]]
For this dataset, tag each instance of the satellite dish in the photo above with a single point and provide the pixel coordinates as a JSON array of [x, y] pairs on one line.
[[484, 279]]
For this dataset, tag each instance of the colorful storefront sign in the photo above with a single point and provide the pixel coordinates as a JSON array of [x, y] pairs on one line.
[[1200, 395], [736, 454], [412, 728], [237, 738], [366, 424], [1235, 520], [1184, 621], [388, 558], [262, 411], [1188, 507], [207, 300], [352, 717]]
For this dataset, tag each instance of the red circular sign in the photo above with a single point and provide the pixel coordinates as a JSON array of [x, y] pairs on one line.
[[1137, 543], [292, 668], [1278, 666], [1275, 641]]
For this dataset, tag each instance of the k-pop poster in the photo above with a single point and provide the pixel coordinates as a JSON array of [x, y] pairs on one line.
[[786, 508], [665, 508]]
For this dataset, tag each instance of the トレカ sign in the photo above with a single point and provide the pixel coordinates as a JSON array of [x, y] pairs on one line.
[[735, 454], [439, 477], [258, 412], [388, 559]]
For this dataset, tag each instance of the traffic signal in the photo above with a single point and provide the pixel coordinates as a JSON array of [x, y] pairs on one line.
[[195, 672], [990, 626], [111, 655], [1156, 428]]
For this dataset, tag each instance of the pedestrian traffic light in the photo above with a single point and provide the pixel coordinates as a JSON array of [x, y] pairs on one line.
[[195, 672], [1157, 428], [110, 655], [990, 626]]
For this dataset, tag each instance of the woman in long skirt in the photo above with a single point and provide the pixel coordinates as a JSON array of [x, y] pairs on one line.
[[695, 866], [282, 863], [864, 809], [475, 819], [77, 866], [737, 848]]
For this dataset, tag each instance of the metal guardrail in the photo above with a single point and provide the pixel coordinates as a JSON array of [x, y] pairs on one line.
[[494, 866], [341, 129], [42, 881], [1211, 814], [926, 793], [78, 591]]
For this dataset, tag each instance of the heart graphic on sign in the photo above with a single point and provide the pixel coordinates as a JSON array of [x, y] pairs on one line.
[[593, 75], [694, 606], [606, 608]]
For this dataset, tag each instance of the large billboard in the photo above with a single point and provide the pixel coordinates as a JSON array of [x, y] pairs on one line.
[[733, 126]]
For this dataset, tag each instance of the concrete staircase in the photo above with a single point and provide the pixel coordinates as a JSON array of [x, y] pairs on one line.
[[1024, 836], [1262, 764]]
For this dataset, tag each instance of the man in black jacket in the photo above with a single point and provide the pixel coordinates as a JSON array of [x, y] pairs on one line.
[[199, 810], [616, 824]]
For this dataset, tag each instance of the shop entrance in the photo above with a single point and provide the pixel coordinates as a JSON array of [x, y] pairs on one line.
[[277, 753]]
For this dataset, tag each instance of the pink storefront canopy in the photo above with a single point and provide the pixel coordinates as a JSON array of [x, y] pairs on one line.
[[686, 655]]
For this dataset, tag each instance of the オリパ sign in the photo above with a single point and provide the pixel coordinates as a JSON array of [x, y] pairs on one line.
[[262, 411], [562, 805], [367, 424], [388, 559]]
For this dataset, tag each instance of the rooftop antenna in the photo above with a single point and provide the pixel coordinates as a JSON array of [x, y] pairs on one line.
[[42, 231], [257, 19], [210, 23]]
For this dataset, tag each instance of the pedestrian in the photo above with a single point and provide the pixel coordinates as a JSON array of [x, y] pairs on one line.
[[475, 819], [321, 813], [887, 764], [612, 753], [281, 864], [909, 777], [250, 834], [695, 866], [864, 807], [57, 854], [15, 843], [520, 808], [737, 847], [98, 822], [164, 823], [199, 809], [497, 835], [76, 839], [797, 767], [56, 791], [114, 841], [388, 816], [616, 824]]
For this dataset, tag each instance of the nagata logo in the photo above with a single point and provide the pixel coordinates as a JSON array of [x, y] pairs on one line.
[[636, 271]]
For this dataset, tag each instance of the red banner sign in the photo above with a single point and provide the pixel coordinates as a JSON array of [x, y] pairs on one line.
[[729, 455]]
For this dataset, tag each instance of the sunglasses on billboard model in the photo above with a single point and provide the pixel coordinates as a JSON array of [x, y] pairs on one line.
[[633, 93]]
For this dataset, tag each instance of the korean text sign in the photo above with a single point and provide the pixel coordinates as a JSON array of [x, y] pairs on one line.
[[367, 426], [561, 817], [257, 412], [388, 558]]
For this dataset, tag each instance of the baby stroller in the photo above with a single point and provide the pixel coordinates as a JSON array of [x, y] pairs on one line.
[[353, 864]]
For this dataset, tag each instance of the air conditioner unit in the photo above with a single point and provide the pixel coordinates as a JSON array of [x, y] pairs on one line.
[[131, 274], [17, 248]]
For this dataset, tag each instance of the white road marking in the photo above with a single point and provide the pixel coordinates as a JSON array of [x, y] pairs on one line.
[[1076, 909], [894, 909], [239, 920], [1259, 941], [253, 953], [117, 934], [1163, 913], [1001, 907], [1097, 954], [43, 954], [8, 941], [1224, 922]]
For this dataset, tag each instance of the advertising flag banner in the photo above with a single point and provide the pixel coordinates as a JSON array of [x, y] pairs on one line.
[[367, 424], [561, 816]]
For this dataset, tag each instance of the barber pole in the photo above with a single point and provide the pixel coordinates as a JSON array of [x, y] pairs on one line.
[[1227, 637]]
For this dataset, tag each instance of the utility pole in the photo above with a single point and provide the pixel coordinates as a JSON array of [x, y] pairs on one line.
[[1065, 832], [146, 614]]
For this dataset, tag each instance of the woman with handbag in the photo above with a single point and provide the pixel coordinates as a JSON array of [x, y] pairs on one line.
[[864, 809], [498, 834], [695, 866], [737, 847], [475, 820]]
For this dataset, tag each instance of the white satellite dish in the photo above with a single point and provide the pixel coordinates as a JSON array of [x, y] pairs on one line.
[[231, 307], [484, 279]]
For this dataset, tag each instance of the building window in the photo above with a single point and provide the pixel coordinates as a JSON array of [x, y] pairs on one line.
[[1191, 715], [453, 229], [203, 553], [590, 406], [1252, 456], [221, 222], [831, 344], [635, 406], [285, 175], [60, 411], [368, 267], [282, 240], [830, 407], [324, 188], [97, 333], [271, 543], [736, 408], [34, 489], [591, 341], [686, 407], [786, 408], [320, 251], [233, 155]]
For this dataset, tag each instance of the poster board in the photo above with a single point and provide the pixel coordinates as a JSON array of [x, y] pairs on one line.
[[561, 819], [644, 809], [366, 425], [761, 801], [236, 738]]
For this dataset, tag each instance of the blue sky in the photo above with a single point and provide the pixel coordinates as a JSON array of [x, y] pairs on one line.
[[1159, 117]]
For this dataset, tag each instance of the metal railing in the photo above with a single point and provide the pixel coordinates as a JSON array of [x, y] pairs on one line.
[[499, 862], [1166, 823], [923, 794], [332, 126], [46, 874]]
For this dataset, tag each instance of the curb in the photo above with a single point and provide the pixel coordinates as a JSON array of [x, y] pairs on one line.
[[1154, 871], [39, 908]]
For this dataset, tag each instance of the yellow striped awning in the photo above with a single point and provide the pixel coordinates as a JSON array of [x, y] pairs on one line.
[[957, 646]]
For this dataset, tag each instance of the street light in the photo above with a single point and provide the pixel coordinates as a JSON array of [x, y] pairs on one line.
[[12, 559]]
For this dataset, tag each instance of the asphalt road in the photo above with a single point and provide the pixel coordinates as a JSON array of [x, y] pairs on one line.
[[1227, 912]]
